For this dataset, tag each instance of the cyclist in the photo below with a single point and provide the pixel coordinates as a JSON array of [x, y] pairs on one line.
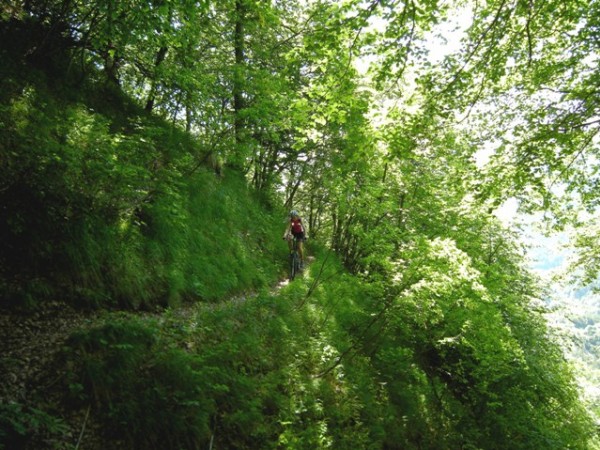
[[296, 229]]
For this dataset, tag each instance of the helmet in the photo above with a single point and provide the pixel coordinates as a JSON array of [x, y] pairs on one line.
[[294, 213]]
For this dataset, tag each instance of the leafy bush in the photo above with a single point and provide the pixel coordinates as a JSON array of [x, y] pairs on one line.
[[151, 395], [241, 374], [18, 423]]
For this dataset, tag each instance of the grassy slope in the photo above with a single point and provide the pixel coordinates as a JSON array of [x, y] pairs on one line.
[[106, 206]]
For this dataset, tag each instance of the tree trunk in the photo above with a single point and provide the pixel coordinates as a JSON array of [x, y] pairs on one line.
[[238, 76], [160, 57]]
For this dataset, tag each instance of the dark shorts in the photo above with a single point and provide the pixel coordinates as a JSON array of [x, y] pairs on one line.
[[299, 236]]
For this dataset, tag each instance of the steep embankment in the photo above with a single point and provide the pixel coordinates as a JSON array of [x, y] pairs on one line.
[[104, 205]]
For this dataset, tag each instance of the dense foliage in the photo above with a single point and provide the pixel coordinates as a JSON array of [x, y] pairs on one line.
[[146, 149]]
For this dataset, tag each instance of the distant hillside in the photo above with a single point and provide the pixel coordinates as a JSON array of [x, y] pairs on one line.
[[578, 317], [574, 311]]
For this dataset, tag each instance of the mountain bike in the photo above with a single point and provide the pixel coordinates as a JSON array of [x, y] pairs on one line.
[[294, 259]]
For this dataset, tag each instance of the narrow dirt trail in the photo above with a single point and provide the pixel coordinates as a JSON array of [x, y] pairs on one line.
[[29, 341]]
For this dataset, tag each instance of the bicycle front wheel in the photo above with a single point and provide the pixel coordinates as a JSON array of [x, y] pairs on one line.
[[293, 265]]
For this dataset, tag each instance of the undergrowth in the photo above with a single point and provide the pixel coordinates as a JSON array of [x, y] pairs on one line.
[[245, 374]]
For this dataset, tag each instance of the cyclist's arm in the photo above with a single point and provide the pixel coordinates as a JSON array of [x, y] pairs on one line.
[[287, 230], [303, 228]]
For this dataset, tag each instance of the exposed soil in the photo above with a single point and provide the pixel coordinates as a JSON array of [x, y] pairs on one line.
[[30, 341]]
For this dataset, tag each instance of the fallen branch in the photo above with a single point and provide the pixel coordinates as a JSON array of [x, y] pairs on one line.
[[87, 415]]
